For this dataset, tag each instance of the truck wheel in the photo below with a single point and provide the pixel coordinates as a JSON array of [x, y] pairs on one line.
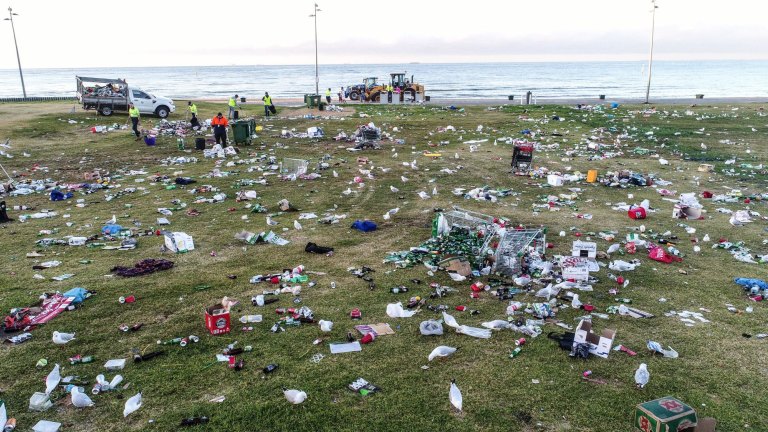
[[106, 110], [162, 111], [354, 95], [375, 97]]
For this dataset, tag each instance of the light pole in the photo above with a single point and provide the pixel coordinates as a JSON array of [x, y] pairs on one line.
[[317, 75], [10, 18], [650, 57]]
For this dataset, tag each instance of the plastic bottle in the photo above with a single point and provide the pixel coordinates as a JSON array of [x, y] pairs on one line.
[[81, 360], [250, 319], [515, 352]]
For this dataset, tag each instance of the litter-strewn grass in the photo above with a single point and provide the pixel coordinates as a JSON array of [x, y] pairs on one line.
[[720, 373]]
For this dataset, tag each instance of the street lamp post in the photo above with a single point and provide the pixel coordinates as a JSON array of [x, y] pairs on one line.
[[650, 57], [317, 75], [10, 18]]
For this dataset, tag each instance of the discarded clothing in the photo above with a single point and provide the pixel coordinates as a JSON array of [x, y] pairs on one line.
[[314, 248], [147, 266], [365, 226]]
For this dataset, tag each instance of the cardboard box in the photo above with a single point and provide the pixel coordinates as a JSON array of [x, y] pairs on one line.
[[179, 242], [217, 320], [555, 180], [599, 345], [584, 249], [665, 415]]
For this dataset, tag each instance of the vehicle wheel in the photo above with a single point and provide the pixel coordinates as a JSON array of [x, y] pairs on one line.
[[106, 110], [354, 95], [374, 97], [162, 111]]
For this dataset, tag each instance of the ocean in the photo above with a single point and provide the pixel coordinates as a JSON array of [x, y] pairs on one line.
[[563, 80]]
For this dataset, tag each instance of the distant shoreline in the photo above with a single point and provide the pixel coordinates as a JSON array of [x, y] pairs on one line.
[[539, 101]]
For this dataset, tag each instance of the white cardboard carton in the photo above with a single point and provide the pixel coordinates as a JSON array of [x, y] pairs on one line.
[[555, 180], [584, 249], [179, 242], [599, 345]]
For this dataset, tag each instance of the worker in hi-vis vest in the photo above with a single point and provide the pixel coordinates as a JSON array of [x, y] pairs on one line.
[[328, 95], [232, 106], [193, 110], [267, 103], [389, 92], [133, 113], [219, 124]]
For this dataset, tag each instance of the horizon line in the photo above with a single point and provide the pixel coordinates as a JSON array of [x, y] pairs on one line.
[[403, 63]]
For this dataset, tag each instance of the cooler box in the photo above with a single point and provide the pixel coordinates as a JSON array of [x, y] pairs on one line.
[[665, 415], [217, 320]]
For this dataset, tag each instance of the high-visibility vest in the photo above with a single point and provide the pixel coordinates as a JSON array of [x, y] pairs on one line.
[[222, 122], [267, 100], [389, 88], [232, 102], [193, 109], [328, 92], [133, 112]]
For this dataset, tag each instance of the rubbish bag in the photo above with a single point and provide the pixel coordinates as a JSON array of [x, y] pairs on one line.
[[431, 327], [78, 294], [661, 255], [395, 310], [364, 226]]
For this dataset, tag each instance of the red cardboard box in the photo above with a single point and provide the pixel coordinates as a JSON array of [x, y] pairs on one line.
[[217, 320]]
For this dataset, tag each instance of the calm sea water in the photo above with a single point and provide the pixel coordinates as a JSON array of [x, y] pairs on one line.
[[477, 80]]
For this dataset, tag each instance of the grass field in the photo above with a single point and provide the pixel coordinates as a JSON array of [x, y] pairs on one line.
[[719, 372]]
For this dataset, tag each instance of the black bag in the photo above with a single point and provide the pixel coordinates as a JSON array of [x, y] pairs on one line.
[[272, 109], [565, 340], [199, 143], [4, 213]]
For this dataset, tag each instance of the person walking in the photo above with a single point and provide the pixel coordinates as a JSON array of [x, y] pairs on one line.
[[341, 94], [220, 124], [133, 113], [328, 95], [193, 110], [268, 107], [232, 106], [389, 92]]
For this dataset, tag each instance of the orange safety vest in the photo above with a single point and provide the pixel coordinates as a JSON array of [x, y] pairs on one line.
[[219, 122]]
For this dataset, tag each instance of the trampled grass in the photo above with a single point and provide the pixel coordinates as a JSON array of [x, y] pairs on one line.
[[719, 372]]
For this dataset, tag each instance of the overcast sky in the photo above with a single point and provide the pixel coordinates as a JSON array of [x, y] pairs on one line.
[[93, 33]]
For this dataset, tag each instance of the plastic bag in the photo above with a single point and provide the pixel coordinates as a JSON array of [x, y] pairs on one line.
[[395, 310], [661, 255], [431, 327]]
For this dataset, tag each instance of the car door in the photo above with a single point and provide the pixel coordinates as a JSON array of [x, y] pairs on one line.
[[142, 101]]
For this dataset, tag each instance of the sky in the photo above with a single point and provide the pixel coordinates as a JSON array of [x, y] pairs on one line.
[[106, 33]]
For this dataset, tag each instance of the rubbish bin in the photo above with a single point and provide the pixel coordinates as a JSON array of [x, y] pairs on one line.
[[313, 101], [242, 100], [321, 105], [242, 130]]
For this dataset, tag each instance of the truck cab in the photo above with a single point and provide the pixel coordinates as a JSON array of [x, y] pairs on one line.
[[148, 103], [109, 95]]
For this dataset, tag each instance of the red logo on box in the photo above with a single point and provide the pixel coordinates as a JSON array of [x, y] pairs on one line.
[[645, 425], [672, 405]]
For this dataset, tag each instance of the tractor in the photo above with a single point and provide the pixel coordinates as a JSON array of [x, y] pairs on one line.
[[408, 88], [354, 92]]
